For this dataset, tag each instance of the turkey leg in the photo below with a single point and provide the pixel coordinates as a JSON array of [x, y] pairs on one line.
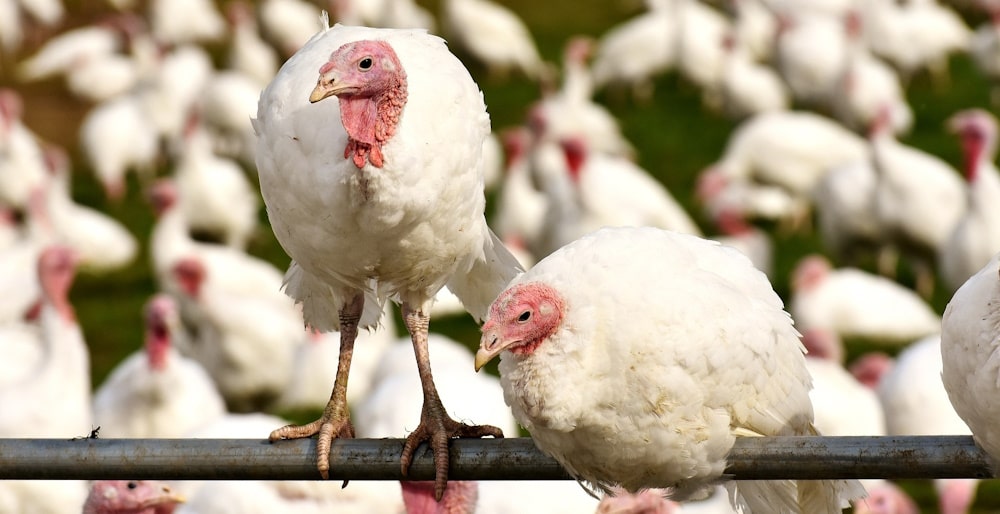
[[435, 427], [336, 419]]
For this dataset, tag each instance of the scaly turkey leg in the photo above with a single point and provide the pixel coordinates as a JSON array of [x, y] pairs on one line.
[[435, 427], [336, 419]]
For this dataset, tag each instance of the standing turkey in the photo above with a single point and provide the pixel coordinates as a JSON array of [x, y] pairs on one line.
[[376, 195], [643, 374]]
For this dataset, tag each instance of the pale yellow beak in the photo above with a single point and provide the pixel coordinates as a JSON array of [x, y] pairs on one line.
[[326, 87], [489, 347]]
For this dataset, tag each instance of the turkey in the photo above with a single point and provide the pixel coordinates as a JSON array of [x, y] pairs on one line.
[[216, 197], [248, 54], [907, 181], [367, 213], [976, 237], [855, 303], [130, 497], [492, 34], [156, 392], [628, 378], [916, 402], [22, 164], [590, 190], [101, 243], [245, 341], [650, 39], [52, 400], [968, 349]]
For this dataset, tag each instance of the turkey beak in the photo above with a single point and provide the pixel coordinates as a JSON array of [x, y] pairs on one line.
[[490, 345], [326, 86]]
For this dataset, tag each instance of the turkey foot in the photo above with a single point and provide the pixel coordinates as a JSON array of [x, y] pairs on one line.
[[336, 419], [335, 422], [436, 427]]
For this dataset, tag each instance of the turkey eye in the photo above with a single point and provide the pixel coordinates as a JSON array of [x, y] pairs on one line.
[[365, 64], [525, 316], [132, 485]]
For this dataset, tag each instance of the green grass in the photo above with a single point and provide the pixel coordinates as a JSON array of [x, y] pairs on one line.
[[673, 134]]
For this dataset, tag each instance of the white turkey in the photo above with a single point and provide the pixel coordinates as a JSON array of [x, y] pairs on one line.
[[22, 163], [915, 35], [907, 181], [492, 34], [228, 100], [245, 341], [789, 149], [916, 401], [100, 242], [520, 206], [118, 136], [177, 22], [570, 111], [590, 190], [968, 353], [810, 52], [289, 23], [171, 241], [367, 212], [51, 400], [976, 236], [600, 387], [855, 303], [157, 392], [650, 39], [215, 195], [700, 55], [747, 87], [248, 53], [845, 210], [866, 84]]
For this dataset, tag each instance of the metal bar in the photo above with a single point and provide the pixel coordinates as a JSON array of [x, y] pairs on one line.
[[471, 459]]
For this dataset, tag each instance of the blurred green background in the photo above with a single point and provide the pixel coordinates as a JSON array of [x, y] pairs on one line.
[[674, 135]]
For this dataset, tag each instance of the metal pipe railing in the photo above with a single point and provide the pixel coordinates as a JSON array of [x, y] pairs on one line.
[[471, 459]]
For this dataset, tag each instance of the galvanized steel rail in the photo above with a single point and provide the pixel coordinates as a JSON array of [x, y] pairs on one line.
[[471, 459]]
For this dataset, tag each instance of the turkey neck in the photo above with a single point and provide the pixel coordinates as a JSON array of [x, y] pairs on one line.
[[371, 120]]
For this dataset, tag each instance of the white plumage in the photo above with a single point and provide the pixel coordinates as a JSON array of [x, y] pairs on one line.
[[916, 402], [388, 204], [215, 195], [976, 236], [101, 243], [116, 136], [493, 34], [589, 190], [156, 392], [791, 149], [176, 22], [621, 393], [855, 303], [969, 357], [908, 180], [650, 42]]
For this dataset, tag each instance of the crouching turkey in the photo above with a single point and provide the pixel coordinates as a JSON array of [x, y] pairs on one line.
[[636, 356]]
